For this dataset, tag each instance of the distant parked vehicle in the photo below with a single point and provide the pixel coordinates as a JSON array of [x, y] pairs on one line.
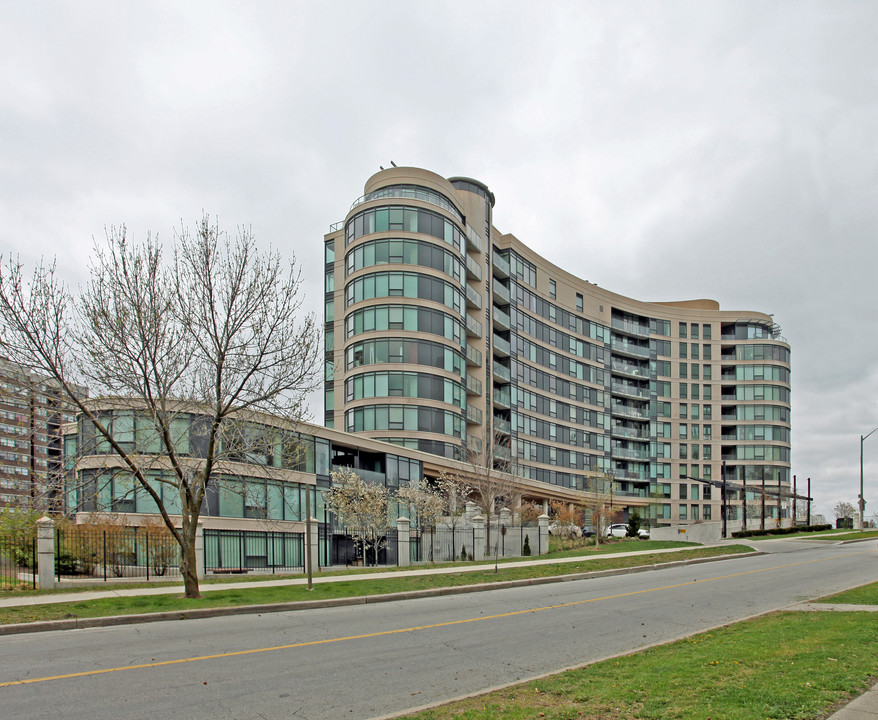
[[618, 530], [643, 533]]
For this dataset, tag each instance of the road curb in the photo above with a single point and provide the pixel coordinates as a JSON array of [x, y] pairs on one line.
[[200, 613]]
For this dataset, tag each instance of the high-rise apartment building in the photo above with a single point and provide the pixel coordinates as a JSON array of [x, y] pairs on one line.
[[446, 335], [32, 412]]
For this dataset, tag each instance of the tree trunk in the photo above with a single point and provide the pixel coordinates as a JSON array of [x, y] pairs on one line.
[[188, 561]]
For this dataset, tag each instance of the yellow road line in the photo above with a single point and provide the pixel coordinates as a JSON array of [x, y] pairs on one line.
[[382, 633]]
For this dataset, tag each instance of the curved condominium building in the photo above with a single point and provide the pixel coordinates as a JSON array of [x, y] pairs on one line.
[[446, 335]]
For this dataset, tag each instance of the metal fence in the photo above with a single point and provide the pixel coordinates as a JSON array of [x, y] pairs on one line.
[[240, 551], [111, 554], [18, 555]]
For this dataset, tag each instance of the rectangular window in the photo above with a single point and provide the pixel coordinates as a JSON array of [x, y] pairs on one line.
[[693, 491], [705, 354], [684, 491], [684, 451], [706, 372], [682, 329], [684, 391], [694, 351], [579, 304], [694, 510], [705, 331], [705, 509], [693, 332], [553, 290], [684, 429], [683, 512], [684, 410], [706, 410], [684, 349], [706, 394], [705, 493], [684, 370]]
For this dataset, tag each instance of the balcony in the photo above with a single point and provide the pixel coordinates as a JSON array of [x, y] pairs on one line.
[[630, 328], [500, 319], [500, 266], [630, 390], [473, 415], [629, 433], [502, 425], [501, 292], [473, 385], [501, 347], [474, 444], [473, 299], [628, 411], [619, 345], [473, 240], [623, 368], [473, 356], [501, 374], [502, 397], [630, 453], [473, 269], [501, 452], [473, 327]]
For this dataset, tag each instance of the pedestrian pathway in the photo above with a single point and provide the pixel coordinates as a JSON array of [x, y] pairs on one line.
[[95, 594]]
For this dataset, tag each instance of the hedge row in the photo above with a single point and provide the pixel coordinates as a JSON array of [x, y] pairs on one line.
[[781, 531]]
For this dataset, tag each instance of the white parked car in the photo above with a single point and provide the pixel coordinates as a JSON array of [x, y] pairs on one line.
[[618, 530]]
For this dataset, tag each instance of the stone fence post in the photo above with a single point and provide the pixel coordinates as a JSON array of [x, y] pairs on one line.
[[199, 550], [403, 539], [313, 553], [478, 537], [543, 522], [45, 568]]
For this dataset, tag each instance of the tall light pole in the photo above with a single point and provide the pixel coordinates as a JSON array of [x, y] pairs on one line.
[[862, 500]]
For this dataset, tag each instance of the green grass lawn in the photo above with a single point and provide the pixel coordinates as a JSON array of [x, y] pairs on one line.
[[839, 534], [863, 595], [266, 595], [787, 665]]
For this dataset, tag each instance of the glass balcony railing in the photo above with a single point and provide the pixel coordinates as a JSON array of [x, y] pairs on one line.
[[473, 327], [501, 292], [501, 346], [473, 385], [500, 266], [501, 373], [473, 269], [473, 356], [501, 425], [500, 319], [473, 299], [502, 397], [623, 346], [473, 415], [473, 240]]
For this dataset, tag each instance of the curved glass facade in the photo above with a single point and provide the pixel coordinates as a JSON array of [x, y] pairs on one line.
[[402, 350], [404, 252], [404, 384], [398, 218], [412, 418], [379, 318], [413, 192], [407, 285]]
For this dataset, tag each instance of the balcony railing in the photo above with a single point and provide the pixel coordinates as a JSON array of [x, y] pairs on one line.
[[500, 318], [473, 299], [501, 425], [473, 385], [473, 415], [501, 346], [502, 397], [501, 292], [628, 369], [473, 269], [473, 356], [629, 348], [626, 411], [473, 240], [500, 266], [501, 373], [473, 327], [629, 433], [631, 328], [630, 390]]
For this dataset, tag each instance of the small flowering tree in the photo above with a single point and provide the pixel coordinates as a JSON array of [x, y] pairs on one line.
[[361, 507]]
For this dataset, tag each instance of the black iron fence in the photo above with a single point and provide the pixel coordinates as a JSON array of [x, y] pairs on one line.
[[111, 554], [18, 561], [240, 551]]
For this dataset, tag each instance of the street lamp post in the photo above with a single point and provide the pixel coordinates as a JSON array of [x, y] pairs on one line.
[[862, 500], [725, 509]]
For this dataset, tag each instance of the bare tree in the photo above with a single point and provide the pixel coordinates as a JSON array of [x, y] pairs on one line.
[[491, 475], [361, 507], [601, 502], [844, 510], [567, 521], [212, 335]]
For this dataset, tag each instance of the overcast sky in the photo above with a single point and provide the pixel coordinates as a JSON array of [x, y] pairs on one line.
[[664, 150]]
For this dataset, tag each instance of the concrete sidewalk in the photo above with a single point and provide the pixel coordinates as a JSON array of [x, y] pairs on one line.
[[96, 594]]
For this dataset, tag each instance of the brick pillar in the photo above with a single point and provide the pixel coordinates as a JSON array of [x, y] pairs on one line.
[[45, 568], [403, 538]]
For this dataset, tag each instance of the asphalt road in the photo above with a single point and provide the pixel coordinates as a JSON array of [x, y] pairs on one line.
[[371, 660]]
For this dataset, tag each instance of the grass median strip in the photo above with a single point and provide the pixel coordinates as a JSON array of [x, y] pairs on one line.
[[259, 595], [785, 665]]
